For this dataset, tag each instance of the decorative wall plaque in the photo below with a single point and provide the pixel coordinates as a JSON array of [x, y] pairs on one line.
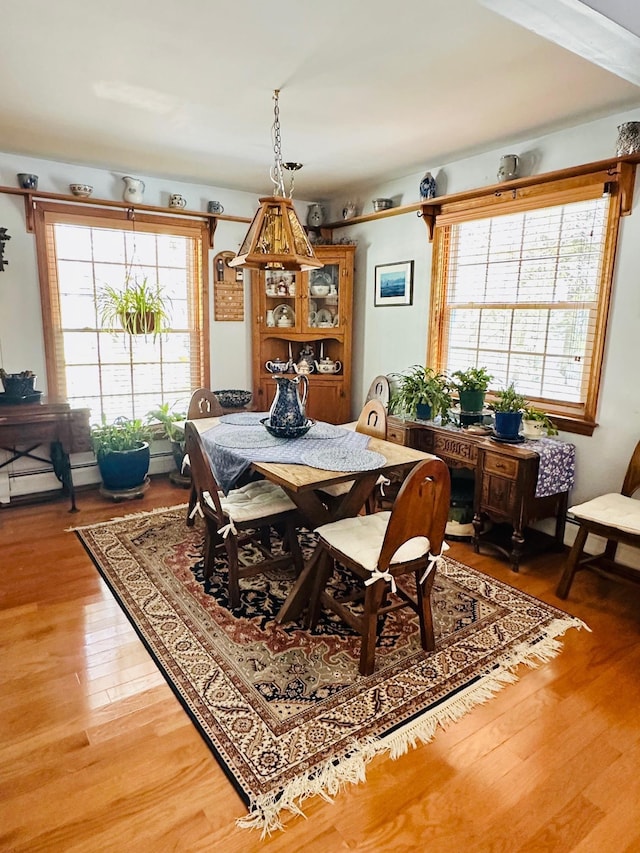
[[228, 289]]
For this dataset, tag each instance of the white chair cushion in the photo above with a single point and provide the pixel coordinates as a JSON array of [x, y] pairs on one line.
[[339, 489], [360, 538], [613, 510], [256, 500]]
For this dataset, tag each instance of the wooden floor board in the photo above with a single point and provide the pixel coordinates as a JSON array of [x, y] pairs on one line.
[[97, 754]]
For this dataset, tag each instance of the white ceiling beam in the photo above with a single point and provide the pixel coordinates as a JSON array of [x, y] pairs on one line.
[[582, 29]]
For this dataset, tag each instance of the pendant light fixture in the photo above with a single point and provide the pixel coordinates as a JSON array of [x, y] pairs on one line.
[[276, 239]]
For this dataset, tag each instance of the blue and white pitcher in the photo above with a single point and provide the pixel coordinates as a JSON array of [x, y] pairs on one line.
[[287, 410]]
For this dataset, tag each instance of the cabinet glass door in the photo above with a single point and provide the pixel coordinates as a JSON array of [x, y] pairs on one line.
[[324, 297], [280, 305]]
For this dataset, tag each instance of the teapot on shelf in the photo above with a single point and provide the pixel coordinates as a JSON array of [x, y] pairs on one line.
[[305, 363], [327, 365], [278, 366]]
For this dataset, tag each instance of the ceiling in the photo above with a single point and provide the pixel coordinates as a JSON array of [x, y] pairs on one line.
[[370, 91]]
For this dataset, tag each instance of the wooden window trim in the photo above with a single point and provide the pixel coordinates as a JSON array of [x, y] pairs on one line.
[[78, 215], [579, 418]]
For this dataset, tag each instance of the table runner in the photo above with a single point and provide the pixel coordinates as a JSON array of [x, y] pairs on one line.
[[230, 463], [557, 468]]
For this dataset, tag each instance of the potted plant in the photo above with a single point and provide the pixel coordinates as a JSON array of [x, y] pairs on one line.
[[536, 423], [122, 452], [508, 407], [140, 308], [471, 385], [168, 419], [421, 393]]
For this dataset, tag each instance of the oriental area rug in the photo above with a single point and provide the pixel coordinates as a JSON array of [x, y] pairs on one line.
[[285, 711]]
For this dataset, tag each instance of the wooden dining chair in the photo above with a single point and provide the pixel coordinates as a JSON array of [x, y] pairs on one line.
[[616, 518], [203, 404], [371, 421], [245, 516], [380, 389], [381, 547]]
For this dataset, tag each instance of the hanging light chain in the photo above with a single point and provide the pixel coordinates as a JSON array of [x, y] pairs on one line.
[[277, 176]]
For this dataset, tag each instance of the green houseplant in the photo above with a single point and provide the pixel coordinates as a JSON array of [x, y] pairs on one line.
[[122, 452], [139, 307], [169, 419], [422, 393], [471, 385], [508, 407], [536, 423]]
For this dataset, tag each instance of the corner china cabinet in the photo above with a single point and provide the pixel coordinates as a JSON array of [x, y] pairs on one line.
[[302, 319]]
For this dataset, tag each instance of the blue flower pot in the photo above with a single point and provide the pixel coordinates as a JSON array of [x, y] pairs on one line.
[[508, 424]]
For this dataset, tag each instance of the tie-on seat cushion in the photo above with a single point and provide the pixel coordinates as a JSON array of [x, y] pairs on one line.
[[361, 538], [256, 500], [612, 510]]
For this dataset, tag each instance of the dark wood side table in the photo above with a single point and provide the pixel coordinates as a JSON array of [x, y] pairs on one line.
[[505, 484], [24, 427]]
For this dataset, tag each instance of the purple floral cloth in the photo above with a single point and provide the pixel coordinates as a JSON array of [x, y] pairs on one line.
[[557, 469]]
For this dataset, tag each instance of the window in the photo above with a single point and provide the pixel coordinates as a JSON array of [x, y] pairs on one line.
[[112, 372], [522, 286]]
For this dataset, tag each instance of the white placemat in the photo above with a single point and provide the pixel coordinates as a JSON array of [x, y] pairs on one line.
[[324, 430], [343, 459], [246, 438], [244, 418]]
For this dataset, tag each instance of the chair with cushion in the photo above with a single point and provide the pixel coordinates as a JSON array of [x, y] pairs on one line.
[[380, 389], [379, 548], [244, 516], [371, 421], [203, 404], [616, 518]]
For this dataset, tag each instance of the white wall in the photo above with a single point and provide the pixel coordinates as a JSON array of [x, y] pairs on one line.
[[391, 339]]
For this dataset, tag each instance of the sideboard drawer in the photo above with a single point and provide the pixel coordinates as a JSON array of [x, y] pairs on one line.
[[398, 435], [496, 464], [454, 449]]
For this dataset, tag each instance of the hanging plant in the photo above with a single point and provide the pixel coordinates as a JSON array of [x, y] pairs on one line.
[[139, 308]]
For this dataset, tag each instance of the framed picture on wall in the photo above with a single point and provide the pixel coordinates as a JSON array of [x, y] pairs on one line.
[[394, 284]]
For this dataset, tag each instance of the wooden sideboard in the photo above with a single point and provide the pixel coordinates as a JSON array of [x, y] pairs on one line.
[[24, 427], [505, 485]]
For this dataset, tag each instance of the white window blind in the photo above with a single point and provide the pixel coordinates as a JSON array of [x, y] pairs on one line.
[[522, 297]]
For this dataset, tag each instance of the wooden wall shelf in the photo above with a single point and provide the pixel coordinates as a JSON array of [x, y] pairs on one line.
[[615, 167], [30, 196]]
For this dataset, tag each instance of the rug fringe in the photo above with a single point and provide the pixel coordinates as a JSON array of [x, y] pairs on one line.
[[156, 511], [265, 811]]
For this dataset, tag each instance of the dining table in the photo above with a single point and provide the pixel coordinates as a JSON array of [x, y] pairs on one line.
[[362, 461]]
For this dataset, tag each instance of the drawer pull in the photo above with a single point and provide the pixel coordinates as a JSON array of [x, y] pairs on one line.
[[500, 465]]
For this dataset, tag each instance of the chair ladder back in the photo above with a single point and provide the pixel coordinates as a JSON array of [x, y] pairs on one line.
[[420, 509], [373, 420], [204, 404], [202, 476], [632, 477]]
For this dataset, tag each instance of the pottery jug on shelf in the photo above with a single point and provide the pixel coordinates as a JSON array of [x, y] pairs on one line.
[[288, 408], [133, 190]]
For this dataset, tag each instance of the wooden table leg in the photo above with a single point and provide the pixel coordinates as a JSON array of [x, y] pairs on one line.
[[300, 593], [315, 513]]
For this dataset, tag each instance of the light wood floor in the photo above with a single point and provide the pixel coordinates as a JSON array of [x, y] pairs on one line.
[[98, 755]]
